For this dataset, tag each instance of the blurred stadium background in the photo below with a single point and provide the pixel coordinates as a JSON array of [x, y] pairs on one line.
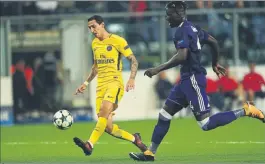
[[46, 54]]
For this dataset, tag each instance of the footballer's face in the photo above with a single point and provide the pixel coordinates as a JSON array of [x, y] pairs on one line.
[[96, 29], [174, 19]]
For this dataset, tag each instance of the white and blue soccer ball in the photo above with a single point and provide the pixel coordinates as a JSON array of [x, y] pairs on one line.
[[63, 119]]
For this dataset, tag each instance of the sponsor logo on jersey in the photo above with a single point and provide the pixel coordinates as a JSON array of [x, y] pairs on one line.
[[102, 56], [105, 61]]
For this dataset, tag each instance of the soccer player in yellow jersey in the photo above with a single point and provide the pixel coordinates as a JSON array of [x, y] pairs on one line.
[[108, 51]]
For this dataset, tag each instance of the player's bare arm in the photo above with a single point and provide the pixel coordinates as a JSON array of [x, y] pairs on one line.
[[218, 69], [134, 67], [91, 76], [93, 73], [177, 59]]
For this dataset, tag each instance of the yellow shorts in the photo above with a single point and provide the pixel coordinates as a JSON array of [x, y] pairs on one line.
[[112, 93]]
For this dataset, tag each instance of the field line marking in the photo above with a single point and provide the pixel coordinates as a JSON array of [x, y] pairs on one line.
[[125, 143]]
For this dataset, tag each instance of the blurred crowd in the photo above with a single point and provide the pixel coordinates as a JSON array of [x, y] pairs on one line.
[[250, 25], [224, 93], [66, 7], [37, 85]]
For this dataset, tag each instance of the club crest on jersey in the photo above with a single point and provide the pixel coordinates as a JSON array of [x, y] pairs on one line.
[[109, 48], [181, 41]]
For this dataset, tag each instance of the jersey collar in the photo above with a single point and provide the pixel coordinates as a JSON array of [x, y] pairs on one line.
[[181, 24]]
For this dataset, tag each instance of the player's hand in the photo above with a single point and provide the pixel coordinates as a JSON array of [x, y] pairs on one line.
[[219, 70], [130, 85], [151, 72], [81, 89]]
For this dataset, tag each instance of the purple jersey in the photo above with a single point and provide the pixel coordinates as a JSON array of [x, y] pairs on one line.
[[191, 37], [191, 91]]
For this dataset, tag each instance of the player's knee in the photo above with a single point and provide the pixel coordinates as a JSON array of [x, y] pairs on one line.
[[103, 113], [105, 109], [204, 124], [164, 115]]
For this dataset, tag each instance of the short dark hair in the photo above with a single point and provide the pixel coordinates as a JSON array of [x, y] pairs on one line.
[[177, 5], [97, 18]]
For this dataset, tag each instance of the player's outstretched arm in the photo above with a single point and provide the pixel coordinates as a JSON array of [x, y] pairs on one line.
[[91, 76], [177, 59], [134, 67], [93, 73]]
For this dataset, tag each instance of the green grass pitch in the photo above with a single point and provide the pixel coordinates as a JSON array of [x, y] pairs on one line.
[[243, 141]]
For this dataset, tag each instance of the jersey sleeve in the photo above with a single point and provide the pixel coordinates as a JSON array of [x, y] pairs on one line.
[[202, 34], [181, 39], [93, 49], [124, 47]]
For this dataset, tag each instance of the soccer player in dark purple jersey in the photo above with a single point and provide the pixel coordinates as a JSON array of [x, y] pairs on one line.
[[191, 91]]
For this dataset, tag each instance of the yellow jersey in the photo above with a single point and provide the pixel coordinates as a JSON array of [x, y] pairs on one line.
[[108, 57]]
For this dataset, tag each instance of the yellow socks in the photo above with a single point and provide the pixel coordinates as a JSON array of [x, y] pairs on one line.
[[148, 152], [98, 131], [119, 133], [116, 132]]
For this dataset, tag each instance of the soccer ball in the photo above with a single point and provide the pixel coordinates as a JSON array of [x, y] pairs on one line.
[[63, 119]]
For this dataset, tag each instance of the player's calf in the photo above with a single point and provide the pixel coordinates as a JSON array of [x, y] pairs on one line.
[[106, 109], [161, 128], [219, 119], [115, 131], [224, 118]]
